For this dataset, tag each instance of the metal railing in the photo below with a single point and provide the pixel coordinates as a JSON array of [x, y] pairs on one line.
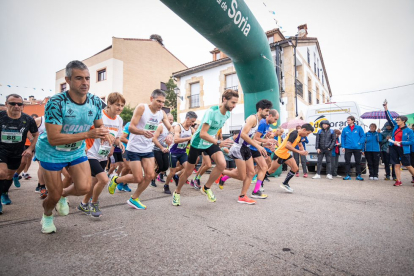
[[235, 88], [194, 100], [299, 88]]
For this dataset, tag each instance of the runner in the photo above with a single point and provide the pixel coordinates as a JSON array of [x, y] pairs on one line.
[[282, 153], [41, 187], [15, 127], [203, 141], [98, 153], [242, 155], [126, 169], [182, 137], [144, 123], [69, 116], [161, 150]]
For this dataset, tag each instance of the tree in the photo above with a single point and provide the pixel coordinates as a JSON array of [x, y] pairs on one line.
[[171, 98], [126, 114]]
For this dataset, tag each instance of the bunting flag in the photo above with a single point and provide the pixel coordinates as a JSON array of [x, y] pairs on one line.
[[34, 88]]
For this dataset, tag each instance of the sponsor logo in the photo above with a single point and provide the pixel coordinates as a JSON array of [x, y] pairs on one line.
[[70, 113], [334, 124], [90, 113]]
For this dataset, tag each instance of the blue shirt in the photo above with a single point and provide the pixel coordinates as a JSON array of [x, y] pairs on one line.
[[74, 118], [263, 129], [126, 130]]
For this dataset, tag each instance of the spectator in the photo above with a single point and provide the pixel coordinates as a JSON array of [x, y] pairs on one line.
[[353, 141], [336, 152], [372, 150], [385, 151], [325, 141], [302, 158]]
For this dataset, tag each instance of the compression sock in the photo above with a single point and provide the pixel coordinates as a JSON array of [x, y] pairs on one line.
[[6, 185], [289, 177], [224, 178], [258, 185]]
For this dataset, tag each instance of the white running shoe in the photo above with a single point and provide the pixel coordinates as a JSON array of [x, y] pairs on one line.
[[329, 176], [317, 176], [62, 207], [286, 187], [339, 176], [375, 178], [371, 178]]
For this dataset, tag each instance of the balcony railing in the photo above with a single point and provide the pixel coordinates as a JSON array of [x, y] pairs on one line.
[[235, 88], [299, 88], [194, 100]]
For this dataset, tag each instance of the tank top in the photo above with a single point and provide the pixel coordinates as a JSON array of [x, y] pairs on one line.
[[149, 121], [239, 140], [162, 137], [181, 147], [42, 127]]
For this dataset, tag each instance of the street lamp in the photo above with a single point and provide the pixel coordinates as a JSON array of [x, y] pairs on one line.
[[177, 92]]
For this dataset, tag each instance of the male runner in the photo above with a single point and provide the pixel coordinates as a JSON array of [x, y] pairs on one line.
[[203, 141], [69, 116], [282, 153], [15, 126], [241, 153], [41, 186], [144, 123], [125, 169], [98, 153], [182, 136]]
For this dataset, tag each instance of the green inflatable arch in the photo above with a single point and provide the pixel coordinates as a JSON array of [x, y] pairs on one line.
[[232, 27]]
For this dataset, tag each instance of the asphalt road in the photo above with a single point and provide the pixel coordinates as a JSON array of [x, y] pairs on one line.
[[324, 228]]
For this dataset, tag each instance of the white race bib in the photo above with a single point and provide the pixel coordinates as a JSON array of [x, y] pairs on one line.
[[69, 147], [11, 137], [104, 150]]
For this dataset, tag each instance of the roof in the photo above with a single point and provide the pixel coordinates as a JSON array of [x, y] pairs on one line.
[[202, 67]]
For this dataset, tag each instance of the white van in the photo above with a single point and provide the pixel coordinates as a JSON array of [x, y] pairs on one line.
[[336, 114]]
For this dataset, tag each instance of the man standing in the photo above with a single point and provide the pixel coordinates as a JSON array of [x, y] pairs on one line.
[[325, 142], [69, 116], [15, 126], [144, 123], [203, 141], [353, 141]]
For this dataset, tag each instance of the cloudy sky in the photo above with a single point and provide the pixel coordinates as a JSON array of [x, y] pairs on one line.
[[367, 45]]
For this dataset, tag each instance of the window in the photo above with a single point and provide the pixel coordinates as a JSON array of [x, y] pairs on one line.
[[270, 39], [194, 98], [63, 87], [217, 55], [232, 82], [308, 57], [318, 69], [317, 101], [314, 62], [323, 84], [310, 97], [102, 75]]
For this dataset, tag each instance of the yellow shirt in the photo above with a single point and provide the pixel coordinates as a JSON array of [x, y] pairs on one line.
[[294, 138]]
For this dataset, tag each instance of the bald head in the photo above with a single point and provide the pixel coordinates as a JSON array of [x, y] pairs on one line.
[[170, 118]]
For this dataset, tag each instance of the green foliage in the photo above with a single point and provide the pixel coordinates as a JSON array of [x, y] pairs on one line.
[[126, 114], [171, 98]]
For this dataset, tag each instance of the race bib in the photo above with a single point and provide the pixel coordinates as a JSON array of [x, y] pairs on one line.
[[104, 150], [182, 145], [69, 147], [151, 126], [206, 143], [11, 137]]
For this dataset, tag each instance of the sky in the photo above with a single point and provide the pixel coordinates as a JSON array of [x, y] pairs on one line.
[[366, 45]]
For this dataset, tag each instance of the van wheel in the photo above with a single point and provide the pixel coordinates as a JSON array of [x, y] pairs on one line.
[[311, 168]]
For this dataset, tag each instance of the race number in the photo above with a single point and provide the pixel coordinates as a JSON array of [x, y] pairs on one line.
[[69, 147], [11, 137]]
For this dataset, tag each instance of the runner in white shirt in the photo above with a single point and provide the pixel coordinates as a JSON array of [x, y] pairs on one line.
[[98, 153], [143, 125]]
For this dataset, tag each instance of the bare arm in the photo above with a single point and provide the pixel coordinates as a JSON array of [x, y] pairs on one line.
[[290, 147], [177, 138], [156, 135], [138, 112], [124, 138]]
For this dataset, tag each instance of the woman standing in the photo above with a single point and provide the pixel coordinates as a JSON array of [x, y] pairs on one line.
[[372, 150], [336, 151]]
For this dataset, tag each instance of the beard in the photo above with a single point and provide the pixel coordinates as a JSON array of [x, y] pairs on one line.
[[228, 108]]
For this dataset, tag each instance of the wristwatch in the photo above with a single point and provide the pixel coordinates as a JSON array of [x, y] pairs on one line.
[[218, 142]]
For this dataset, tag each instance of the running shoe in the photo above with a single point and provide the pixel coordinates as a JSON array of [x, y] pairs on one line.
[[176, 178], [286, 187], [259, 194], [192, 183], [112, 185], [153, 184], [197, 185], [371, 178], [84, 208], [16, 180], [43, 193], [246, 200], [95, 211], [160, 178], [266, 178], [317, 176], [167, 190], [27, 176], [176, 199], [218, 179], [209, 194], [375, 178], [387, 178], [329, 176], [62, 207], [297, 174], [195, 171], [120, 187], [221, 186], [37, 190], [347, 177], [126, 188], [305, 175], [398, 183], [261, 189], [359, 178], [136, 203], [5, 199], [47, 225]]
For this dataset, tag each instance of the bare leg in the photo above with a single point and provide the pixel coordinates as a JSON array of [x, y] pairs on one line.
[[54, 186], [82, 182], [218, 158], [249, 176], [148, 164]]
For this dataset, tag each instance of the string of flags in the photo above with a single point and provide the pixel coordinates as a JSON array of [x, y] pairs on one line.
[[34, 88], [273, 13]]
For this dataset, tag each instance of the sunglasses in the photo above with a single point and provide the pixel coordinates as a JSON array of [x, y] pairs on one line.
[[14, 104]]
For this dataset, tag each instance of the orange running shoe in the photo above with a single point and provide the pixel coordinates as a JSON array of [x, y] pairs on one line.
[[246, 200], [218, 179]]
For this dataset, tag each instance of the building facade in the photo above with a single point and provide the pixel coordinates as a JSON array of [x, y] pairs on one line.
[[202, 86], [133, 67]]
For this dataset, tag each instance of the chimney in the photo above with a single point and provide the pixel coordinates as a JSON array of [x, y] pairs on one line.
[[31, 99], [303, 30], [157, 38]]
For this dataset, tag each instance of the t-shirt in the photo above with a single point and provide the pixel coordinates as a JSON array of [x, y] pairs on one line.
[[126, 130], [263, 129], [14, 133], [294, 138], [398, 135], [74, 118], [215, 120]]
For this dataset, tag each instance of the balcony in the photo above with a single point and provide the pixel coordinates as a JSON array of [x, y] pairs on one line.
[[235, 88], [299, 88], [194, 100]]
